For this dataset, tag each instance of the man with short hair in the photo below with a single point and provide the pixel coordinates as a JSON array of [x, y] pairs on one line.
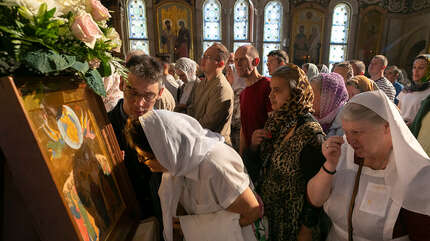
[[168, 80], [393, 74], [276, 59], [254, 99], [376, 71], [141, 90], [212, 99], [358, 67]]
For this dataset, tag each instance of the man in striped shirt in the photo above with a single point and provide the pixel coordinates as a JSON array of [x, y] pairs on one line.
[[376, 71]]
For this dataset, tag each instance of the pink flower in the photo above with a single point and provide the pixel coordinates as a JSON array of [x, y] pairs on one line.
[[99, 11], [85, 29]]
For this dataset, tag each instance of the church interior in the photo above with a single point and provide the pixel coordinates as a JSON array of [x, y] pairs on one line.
[[332, 31]]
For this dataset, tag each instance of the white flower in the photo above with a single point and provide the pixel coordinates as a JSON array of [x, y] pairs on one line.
[[62, 6]]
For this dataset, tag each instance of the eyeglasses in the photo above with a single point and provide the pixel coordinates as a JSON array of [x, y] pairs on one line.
[[148, 97]]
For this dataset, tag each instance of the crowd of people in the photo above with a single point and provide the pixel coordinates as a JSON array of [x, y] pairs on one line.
[[217, 151]]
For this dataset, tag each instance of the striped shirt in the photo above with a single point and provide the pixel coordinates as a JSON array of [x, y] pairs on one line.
[[385, 85]]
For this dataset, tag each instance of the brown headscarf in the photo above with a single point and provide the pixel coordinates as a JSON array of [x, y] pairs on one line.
[[362, 83], [300, 103]]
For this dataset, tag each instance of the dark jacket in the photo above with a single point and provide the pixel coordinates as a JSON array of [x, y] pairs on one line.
[[145, 183]]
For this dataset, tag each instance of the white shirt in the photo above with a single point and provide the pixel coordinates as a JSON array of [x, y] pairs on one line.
[[172, 85], [410, 103], [222, 179]]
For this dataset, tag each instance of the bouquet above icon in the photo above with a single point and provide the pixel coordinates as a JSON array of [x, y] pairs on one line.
[[58, 37]]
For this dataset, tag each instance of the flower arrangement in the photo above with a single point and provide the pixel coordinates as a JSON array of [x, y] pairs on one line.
[[53, 37]]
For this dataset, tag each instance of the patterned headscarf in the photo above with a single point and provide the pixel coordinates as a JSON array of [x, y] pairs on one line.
[[424, 81], [362, 83], [300, 103], [333, 96]]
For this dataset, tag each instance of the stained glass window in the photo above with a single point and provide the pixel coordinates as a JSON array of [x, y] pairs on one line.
[[241, 20], [137, 25], [339, 33], [272, 30], [211, 23], [272, 21], [267, 47]]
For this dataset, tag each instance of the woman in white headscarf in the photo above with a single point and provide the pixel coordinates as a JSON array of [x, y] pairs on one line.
[[311, 70], [202, 173], [374, 183], [186, 70]]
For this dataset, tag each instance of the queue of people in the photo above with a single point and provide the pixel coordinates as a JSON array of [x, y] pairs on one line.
[[303, 155]]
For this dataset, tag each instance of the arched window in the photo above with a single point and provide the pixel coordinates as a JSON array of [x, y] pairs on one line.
[[241, 24], [211, 23], [137, 25], [272, 30], [339, 33]]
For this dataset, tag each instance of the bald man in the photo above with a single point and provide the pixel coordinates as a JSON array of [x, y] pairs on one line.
[[254, 99]]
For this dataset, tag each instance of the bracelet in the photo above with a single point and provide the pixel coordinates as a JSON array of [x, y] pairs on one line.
[[329, 172]]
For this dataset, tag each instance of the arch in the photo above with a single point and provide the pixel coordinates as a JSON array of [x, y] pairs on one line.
[[339, 33], [243, 12], [272, 30], [211, 23]]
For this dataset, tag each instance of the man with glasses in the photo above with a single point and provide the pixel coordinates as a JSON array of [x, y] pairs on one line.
[[276, 59], [142, 89], [212, 100]]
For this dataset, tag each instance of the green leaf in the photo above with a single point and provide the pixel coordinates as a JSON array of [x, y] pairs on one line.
[[95, 81], [81, 66], [42, 10], [49, 61], [105, 69], [50, 13]]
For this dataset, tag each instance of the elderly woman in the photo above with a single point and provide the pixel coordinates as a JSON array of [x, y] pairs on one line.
[[199, 171], [311, 70], [186, 70], [285, 155], [359, 84], [374, 183], [410, 99], [330, 95]]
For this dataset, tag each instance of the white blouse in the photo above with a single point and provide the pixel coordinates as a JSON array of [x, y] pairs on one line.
[[222, 179], [410, 103]]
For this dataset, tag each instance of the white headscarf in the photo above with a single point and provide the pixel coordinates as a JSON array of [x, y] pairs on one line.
[[189, 67], [410, 178], [179, 143], [312, 71]]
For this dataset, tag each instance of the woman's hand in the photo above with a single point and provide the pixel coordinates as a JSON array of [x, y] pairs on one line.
[[257, 137], [331, 150]]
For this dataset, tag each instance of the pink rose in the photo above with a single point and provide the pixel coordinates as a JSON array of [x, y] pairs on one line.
[[85, 29], [99, 11]]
